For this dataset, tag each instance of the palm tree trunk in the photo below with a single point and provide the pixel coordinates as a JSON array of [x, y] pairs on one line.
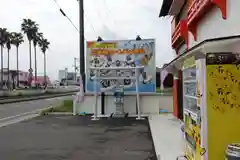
[[45, 74], [30, 65], [17, 69], [8, 65], [1, 67], [35, 56]]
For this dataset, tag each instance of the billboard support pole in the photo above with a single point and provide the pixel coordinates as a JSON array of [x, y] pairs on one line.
[[138, 98], [96, 97], [99, 39]]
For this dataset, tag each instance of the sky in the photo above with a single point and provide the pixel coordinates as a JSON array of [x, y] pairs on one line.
[[110, 19]]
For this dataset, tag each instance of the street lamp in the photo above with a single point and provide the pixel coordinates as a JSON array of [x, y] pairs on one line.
[[138, 38], [99, 39]]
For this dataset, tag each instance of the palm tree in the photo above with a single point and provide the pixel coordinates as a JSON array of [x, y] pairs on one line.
[[17, 39], [44, 44], [30, 28], [3, 36], [8, 45], [36, 38]]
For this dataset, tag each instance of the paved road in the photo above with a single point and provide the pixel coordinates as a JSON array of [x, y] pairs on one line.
[[9, 110], [76, 138]]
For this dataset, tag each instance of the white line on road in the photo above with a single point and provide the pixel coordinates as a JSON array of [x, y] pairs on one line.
[[23, 114], [19, 119]]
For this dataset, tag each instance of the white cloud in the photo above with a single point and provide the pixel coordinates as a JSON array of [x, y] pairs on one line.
[[111, 19]]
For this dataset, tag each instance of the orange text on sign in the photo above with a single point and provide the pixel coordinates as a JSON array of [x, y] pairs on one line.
[[101, 45], [119, 51]]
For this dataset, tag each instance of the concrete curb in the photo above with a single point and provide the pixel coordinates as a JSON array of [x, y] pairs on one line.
[[60, 113], [40, 93], [35, 98]]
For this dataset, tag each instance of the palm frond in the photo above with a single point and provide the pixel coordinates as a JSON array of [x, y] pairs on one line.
[[30, 28], [9, 39], [37, 36], [17, 38], [3, 36], [44, 44]]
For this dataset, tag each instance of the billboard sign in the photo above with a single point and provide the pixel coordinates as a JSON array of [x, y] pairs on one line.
[[122, 53]]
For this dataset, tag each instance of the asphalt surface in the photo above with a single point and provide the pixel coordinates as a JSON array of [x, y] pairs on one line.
[[13, 109], [76, 138]]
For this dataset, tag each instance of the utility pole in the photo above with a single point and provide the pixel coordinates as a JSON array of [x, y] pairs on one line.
[[81, 42]]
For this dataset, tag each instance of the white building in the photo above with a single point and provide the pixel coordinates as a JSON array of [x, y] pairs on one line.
[[62, 74], [200, 26], [200, 29]]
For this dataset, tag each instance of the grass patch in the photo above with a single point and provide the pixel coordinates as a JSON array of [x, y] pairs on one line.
[[158, 90], [65, 106], [165, 90]]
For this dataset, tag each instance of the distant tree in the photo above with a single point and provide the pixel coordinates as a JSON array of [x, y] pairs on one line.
[[36, 38], [8, 44], [3, 39], [30, 28], [17, 39], [44, 44]]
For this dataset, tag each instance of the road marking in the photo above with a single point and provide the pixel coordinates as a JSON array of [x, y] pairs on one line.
[[15, 116], [23, 114], [17, 120], [20, 117]]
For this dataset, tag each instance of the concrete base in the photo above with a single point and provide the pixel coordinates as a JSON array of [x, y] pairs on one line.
[[95, 119], [141, 118], [114, 115], [149, 104]]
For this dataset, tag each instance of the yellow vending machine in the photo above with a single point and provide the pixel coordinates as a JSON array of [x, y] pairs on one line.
[[211, 89]]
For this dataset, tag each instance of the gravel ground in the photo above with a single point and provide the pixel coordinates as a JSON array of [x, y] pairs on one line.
[[77, 138]]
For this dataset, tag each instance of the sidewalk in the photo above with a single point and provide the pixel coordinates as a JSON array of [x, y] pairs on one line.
[[167, 136]]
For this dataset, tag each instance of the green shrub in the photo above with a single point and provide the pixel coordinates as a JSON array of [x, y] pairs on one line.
[[65, 106], [19, 94], [68, 103], [45, 111]]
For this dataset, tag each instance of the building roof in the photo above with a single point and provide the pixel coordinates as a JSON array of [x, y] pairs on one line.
[[166, 4], [176, 7], [216, 42]]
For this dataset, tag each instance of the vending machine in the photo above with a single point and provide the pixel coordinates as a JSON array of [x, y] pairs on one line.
[[211, 99]]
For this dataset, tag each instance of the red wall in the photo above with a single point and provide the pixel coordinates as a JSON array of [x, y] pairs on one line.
[[175, 98]]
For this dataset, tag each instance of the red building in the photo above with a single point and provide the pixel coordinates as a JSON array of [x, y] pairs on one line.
[[40, 80]]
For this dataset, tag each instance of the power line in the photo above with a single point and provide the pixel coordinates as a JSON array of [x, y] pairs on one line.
[[90, 23], [65, 15], [109, 11]]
